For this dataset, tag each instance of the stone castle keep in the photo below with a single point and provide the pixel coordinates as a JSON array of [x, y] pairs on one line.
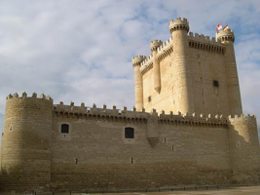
[[187, 127]]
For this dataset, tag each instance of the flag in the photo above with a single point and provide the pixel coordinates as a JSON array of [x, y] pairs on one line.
[[218, 27]]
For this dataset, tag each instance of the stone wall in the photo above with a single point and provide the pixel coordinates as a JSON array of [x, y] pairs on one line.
[[96, 155], [167, 149]]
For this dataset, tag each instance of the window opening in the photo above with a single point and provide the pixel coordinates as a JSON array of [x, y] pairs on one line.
[[64, 128], [129, 132], [132, 160], [215, 83]]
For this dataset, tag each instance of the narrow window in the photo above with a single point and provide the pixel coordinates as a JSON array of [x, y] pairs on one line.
[[129, 132], [215, 83], [149, 99], [64, 128], [164, 140], [132, 160], [76, 161]]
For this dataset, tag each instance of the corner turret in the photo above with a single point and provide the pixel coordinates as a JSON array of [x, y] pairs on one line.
[[179, 29], [155, 44], [26, 140], [136, 61], [226, 36], [179, 24]]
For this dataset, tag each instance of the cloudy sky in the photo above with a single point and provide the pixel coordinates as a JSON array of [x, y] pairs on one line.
[[81, 50]]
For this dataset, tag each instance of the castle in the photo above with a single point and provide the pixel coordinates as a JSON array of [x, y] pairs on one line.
[[187, 127]]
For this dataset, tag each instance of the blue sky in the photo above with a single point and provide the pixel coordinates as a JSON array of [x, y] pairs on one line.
[[81, 50]]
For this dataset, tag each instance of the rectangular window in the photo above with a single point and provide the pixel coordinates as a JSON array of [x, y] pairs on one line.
[[215, 83], [129, 132], [64, 128]]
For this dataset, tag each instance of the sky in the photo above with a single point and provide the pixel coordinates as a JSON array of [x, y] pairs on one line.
[[81, 50]]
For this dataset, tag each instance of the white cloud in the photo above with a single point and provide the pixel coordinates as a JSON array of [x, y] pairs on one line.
[[81, 50]]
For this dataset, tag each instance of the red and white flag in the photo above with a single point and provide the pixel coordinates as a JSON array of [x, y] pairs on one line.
[[219, 27]]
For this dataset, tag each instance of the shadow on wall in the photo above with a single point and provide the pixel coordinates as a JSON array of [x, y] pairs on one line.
[[1, 125]]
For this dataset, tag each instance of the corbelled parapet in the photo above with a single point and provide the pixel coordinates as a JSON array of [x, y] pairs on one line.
[[202, 42], [241, 116], [179, 24], [137, 60], [132, 114], [24, 96], [226, 35], [155, 44]]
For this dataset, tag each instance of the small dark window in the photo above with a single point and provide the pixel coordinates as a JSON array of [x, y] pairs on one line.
[[132, 160], [129, 132], [149, 99], [215, 83], [64, 128]]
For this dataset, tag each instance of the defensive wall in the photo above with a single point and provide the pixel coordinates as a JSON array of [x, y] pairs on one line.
[[95, 155]]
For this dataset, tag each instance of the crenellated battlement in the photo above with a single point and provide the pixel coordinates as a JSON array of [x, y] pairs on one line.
[[155, 44], [200, 41], [179, 24], [163, 50], [131, 114], [25, 96], [195, 40], [147, 63], [94, 111], [136, 60], [225, 35], [203, 38], [241, 117]]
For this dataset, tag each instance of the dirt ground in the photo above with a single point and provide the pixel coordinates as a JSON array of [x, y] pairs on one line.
[[252, 190], [255, 190]]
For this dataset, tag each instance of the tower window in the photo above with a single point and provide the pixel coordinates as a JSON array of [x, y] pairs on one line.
[[65, 128], [215, 83], [129, 132], [149, 99]]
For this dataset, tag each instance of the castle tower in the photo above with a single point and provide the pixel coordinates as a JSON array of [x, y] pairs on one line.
[[182, 72], [26, 141], [136, 61], [244, 147], [189, 73], [156, 66], [226, 37]]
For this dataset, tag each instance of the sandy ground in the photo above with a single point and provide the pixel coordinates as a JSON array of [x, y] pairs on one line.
[[252, 190], [255, 190]]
